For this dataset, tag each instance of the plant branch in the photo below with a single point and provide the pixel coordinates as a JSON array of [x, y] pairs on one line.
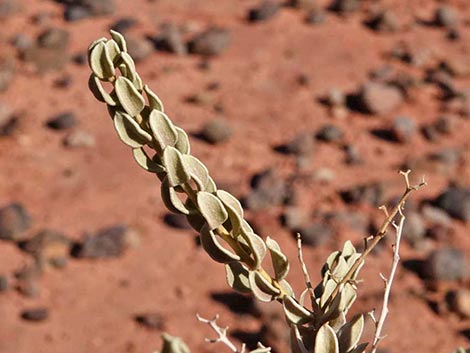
[[221, 333], [307, 280], [374, 240], [388, 282]]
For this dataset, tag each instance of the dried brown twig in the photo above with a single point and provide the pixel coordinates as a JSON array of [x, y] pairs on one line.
[[221, 333]]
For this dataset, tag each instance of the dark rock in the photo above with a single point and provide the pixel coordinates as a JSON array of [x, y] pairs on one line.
[[28, 287], [48, 247], [371, 193], [302, 145], [54, 38], [456, 202], [269, 190], [460, 302], [216, 131], [123, 24], [264, 11], [444, 125], [379, 98], [21, 42], [351, 220], [434, 215], [80, 59], [4, 284], [109, 242], [453, 34], [14, 222], [353, 155], [63, 121], [178, 221], [76, 13], [99, 7], [79, 139], [316, 234], [330, 133], [171, 40], [446, 16], [8, 8], [36, 314], [345, 6], [211, 42], [384, 21], [403, 129], [153, 321], [303, 4], [447, 264], [7, 71], [316, 16], [414, 229], [139, 48]]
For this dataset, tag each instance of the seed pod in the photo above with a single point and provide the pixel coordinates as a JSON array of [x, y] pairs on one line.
[[279, 259], [100, 61], [177, 173], [237, 277], [326, 341], [95, 86], [154, 101], [212, 246], [130, 99], [211, 209], [129, 131], [163, 129]]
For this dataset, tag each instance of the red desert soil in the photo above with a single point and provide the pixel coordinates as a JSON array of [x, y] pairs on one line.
[[92, 303]]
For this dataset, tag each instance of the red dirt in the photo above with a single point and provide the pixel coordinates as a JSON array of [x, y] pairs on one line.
[[93, 303]]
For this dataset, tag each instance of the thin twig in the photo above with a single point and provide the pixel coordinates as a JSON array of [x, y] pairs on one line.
[[222, 334], [307, 280], [372, 242], [388, 282]]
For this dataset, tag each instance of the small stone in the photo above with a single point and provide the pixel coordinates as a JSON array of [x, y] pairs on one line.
[[4, 284], [460, 302], [264, 11], [447, 264], [295, 217], [303, 4], [353, 155], [109, 242], [63, 121], [14, 222], [171, 40], [335, 97], [434, 215], [28, 287], [444, 125], [79, 139], [178, 221], [99, 7], [153, 321], [315, 16], [211, 42], [139, 48], [8, 122], [329, 133], [414, 228], [54, 38], [403, 129], [36, 314], [385, 22], [76, 13], [301, 145], [216, 131], [123, 24], [8, 8], [7, 71], [371, 193], [345, 6], [316, 234], [379, 98], [48, 246], [21, 42], [446, 16], [268, 190], [456, 202]]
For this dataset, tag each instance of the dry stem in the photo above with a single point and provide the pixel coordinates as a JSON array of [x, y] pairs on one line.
[[222, 334]]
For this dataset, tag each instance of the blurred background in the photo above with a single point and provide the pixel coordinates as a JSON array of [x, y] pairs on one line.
[[304, 109]]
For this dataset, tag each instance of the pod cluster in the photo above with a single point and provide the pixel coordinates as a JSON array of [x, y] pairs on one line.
[[160, 147]]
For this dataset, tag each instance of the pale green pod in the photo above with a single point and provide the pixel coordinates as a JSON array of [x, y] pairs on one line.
[[262, 288], [182, 142], [257, 247], [177, 173], [327, 291], [130, 66], [330, 262], [350, 334], [119, 39], [348, 296], [95, 86], [129, 131], [326, 340], [348, 249], [211, 209], [279, 259], [198, 171], [171, 199], [287, 288], [210, 186], [212, 246], [154, 101], [138, 82], [234, 210], [163, 129], [295, 313], [95, 43], [145, 162], [100, 62], [129, 97], [113, 50], [173, 345], [340, 269], [338, 322], [237, 277]]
